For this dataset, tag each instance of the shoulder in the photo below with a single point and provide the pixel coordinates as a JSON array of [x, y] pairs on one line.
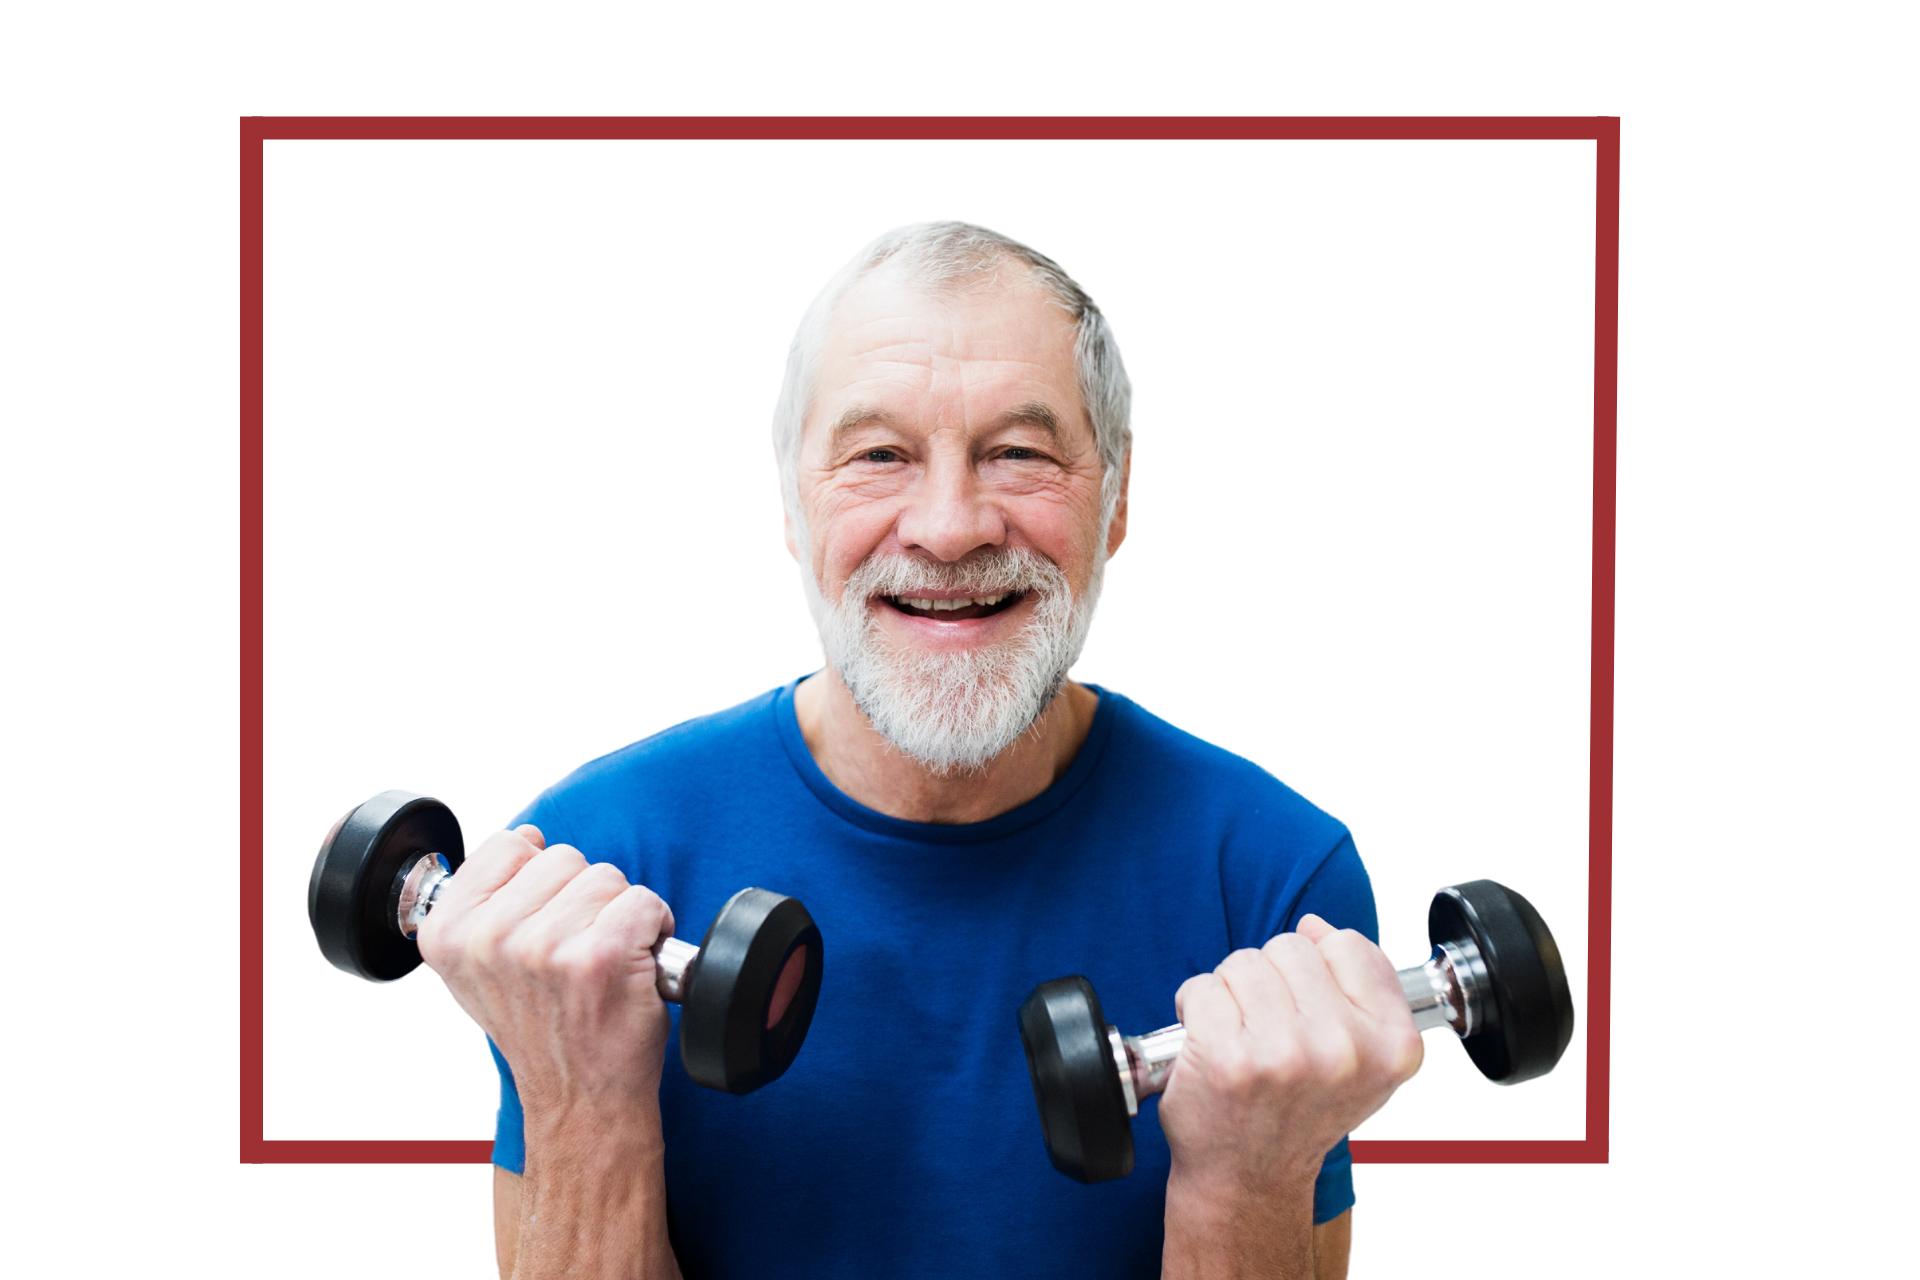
[[691, 743], [1279, 854], [681, 762], [1145, 747]]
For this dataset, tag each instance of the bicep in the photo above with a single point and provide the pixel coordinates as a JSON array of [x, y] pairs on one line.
[[506, 1218], [1332, 1241]]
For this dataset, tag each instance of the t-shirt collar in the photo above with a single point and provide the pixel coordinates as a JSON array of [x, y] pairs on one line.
[[787, 723]]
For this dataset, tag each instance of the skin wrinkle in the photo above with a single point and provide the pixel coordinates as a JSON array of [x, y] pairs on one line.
[[1035, 413], [961, 264], [976, 399], [911, 385]]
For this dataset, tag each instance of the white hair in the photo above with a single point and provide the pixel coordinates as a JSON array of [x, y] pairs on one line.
[[954, 255]]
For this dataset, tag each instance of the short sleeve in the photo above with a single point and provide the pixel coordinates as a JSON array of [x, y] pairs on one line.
[[1332, 1189], [510, 1129], [1339, 892], [543, 813]]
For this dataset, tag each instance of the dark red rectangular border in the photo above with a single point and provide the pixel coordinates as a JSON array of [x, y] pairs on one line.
[[1602, 130]]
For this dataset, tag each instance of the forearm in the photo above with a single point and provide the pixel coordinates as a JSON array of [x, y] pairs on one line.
[[593, 1203], [1216, 1232]]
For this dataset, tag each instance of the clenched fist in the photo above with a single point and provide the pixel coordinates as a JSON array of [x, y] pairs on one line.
[[1287, 1049], [553, 957]]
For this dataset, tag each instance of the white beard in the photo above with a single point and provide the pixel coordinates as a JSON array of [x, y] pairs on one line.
[[956, 711]]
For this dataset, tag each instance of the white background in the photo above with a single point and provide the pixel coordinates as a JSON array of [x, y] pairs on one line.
[[1763, 844], [521, 505]]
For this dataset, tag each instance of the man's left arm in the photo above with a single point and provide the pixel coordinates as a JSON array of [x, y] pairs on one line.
[[1288, 1048], [1332, 1242]]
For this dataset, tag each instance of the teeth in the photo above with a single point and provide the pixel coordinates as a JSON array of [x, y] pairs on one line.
[[943, 606]]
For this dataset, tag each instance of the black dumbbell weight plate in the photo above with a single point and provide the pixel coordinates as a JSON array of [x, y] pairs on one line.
[[725, 1040], [1531, 1018], [353, 895], [1076, 1084]]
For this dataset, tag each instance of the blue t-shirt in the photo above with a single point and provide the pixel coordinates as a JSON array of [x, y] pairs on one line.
[[903, 1141]]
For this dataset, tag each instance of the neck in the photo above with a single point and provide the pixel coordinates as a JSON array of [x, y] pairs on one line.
[[871, 770]]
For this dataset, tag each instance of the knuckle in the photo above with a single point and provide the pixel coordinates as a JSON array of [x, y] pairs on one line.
[[1237, 1075], [497, 843], [605, 874], [1281, 943], [1358, 945], [641, 912], [574, 965], [1336, 1060], [502, 846], [1342, 941], [436, 948], [566, 857], [1239, 961], [589, 962], [1284, 1064], [1409, 1052], [521, 953], [1290, 950], [484, 940]]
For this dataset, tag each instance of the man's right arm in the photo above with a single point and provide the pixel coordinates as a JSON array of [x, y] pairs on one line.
[[506, 1218], [553, 957], [603, 1217]]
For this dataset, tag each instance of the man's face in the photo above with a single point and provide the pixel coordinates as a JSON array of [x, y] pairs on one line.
[[947, 457]]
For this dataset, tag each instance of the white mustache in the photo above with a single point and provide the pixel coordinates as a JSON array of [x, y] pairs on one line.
[[988, 573]]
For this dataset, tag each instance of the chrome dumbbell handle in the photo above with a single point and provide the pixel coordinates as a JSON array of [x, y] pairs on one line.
[[1449, 990], [430, 874], [673, 960], [420, 889]]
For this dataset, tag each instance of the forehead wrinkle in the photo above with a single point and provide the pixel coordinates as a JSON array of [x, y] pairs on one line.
[[915, 350], [945, 323]]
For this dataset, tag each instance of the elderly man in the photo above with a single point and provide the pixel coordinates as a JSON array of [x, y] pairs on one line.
[[963, 822]]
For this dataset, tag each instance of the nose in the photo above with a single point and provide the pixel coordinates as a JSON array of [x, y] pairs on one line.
[[949, 512]]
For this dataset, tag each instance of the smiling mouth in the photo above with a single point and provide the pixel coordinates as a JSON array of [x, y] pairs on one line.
[[959, 609]]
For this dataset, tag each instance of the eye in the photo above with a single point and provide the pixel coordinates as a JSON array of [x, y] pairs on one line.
[[1018, 454], [881, 455]]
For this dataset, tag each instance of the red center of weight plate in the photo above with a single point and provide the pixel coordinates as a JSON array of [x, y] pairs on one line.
[[796, 969]]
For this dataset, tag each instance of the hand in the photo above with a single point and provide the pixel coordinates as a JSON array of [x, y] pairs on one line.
[[1288, 1048], [554, 959]]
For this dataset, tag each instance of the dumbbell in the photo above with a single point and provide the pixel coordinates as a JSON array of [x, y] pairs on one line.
[[746, 993], [1495, 977]]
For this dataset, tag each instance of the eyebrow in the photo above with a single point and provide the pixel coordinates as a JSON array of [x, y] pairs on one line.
[[854, 415], [1034, 414]]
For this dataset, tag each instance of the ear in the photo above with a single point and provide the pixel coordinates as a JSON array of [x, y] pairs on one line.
[[1117, 531], [786, 527]]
